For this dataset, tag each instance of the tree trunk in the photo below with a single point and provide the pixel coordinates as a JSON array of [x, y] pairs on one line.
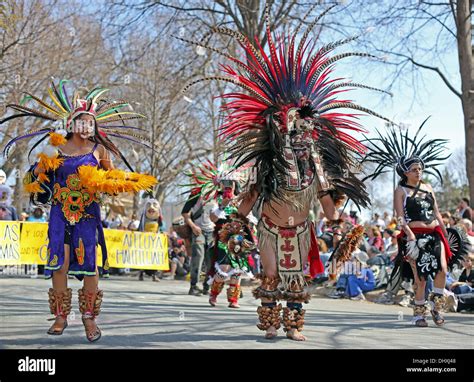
[[465, 48]]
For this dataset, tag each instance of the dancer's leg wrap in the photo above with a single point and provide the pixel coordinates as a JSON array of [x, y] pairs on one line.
[[293, 316], [60, 302], [269, 315]]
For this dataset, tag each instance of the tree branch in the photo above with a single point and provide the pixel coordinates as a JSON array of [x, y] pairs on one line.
[[432, 68]]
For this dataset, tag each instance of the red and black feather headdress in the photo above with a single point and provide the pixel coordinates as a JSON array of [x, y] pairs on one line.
[[290, 76]]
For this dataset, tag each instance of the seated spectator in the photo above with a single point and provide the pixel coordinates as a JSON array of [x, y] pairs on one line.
[[321, 223], [464, 210], [375, 241], [461, 292], [387, 236], [353, 218], [117, 222], [361, 282], [387, 219], [388, 255], [4, 213], [327, 237], [467, 224], [341, 284], [7, 210], [382, 263], [466, 279], [134, 223], [350, 268], [378, 222], [393, 224], [446, 216], [337, 232], [37, 216], [253, 257], [453, 220], [104, 218], [346, 227], [179, 262], [391, 250]]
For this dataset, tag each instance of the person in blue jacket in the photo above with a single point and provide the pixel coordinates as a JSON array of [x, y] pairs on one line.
[[362, 280]]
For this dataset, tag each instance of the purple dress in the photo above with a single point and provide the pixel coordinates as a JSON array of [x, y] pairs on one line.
[[74, 220]]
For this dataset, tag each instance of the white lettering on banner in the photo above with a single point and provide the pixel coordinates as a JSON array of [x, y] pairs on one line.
[[11, 233]]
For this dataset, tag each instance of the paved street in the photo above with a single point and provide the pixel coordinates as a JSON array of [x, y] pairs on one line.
[[162, 316]]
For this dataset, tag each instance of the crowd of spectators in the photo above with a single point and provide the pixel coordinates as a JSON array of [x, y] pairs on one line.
[[369, 269]]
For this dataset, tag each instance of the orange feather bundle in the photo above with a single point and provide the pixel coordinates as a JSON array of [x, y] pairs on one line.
[[114, 181], [49, 163]]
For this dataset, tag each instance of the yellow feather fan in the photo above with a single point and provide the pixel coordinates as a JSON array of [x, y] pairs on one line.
[[43, 178], [114, 181]]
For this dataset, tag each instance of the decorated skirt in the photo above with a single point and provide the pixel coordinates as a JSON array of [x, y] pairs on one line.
[[291, 246], [429, 242]]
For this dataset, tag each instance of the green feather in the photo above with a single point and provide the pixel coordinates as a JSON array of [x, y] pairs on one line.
[[61, 93], [113, 110]]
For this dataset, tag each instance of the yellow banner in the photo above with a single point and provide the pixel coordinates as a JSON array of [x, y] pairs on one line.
[[34, 243], [26, 243], [9, 243], [139, 250]]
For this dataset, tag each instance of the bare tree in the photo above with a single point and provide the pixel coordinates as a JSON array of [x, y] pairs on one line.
[[190, 20], [245, 16], [42, 43], [405, 36], [456, 165]]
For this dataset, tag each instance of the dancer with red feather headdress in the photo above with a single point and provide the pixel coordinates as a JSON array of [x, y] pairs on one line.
[[285, 122]]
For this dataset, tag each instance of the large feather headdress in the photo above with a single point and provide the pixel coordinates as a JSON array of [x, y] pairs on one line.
[[270, 85], [205, 180], [111, 115], [400, 151]]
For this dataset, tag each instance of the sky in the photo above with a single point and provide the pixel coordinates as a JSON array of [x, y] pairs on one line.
[[438, 101]]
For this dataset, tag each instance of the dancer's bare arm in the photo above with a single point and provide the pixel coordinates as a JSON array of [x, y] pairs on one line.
[[247, 203], [105, 161], [329, 208], [398, 202]]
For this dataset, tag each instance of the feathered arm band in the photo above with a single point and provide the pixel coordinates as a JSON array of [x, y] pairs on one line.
[[114, 181]]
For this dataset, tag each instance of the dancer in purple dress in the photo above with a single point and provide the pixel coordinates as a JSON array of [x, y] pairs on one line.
[[72, 173]]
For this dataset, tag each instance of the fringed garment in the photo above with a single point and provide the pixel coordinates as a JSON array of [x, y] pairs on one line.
[[291, 246], [239, 264], [429, 241]]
